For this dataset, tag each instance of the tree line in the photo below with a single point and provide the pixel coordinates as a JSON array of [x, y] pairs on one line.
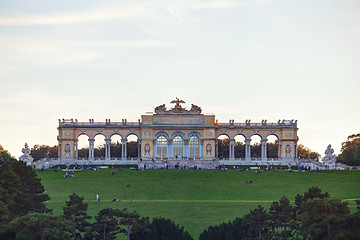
[[24, 215], [314, 216]]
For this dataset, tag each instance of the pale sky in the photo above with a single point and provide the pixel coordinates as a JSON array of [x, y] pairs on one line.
[[239, 60]]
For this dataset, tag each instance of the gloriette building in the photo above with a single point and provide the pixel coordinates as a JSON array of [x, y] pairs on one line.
[[170, 136]]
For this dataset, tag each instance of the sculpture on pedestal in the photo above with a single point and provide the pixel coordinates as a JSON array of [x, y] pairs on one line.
[[26, 155], [208, 150], [329, 159]]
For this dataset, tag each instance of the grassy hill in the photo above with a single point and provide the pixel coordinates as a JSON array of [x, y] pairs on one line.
[[193, 199]]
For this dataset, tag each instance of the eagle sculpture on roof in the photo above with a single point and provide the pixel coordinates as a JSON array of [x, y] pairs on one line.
[[177, 103]]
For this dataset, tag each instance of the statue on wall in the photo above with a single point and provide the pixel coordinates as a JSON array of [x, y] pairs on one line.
[[160, 109], [288, 151], [195, 109], [26, 155], [329, 158], [67, 150], [147, 150], [208, 149], [178, 109]]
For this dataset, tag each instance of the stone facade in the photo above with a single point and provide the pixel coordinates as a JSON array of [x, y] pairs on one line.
[[177, 134]]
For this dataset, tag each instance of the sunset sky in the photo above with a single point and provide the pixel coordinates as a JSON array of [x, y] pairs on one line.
[[253, 59]]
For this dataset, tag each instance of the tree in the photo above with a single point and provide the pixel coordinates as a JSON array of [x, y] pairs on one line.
[[130, 222], [257, 223], [5, 228], [225, 231], [5, 156], [239, 149], [282, 216], [106, 225], [161, 228], [41, 226], [75, 212], [313, 192], [132, 149], [324, 218], [223, 148], [350, 151], [43, 151], [304, 152], [272, 149], [115, 149], [84, 152], [21, 189]]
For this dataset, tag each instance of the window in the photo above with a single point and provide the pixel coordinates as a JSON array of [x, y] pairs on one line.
[[178, 144], [194, 146], [161, 144]]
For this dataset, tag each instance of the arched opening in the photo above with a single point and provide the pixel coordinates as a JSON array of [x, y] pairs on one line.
[[161, 146], [255, 146], [132, 146], [223, 146], [194, 146], [99, 146], [239, 146], [83, 146], [115, 146], [272, 146], [178, 146]]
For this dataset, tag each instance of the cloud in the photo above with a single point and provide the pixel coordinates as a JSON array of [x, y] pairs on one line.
[[134, 10]]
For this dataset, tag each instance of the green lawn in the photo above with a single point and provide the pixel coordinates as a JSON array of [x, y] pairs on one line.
[[193, 199]]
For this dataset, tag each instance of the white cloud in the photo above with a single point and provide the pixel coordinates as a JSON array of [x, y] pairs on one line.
[[135, 10]]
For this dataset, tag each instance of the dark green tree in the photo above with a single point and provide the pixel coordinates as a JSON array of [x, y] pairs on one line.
[[282, 216], [313, 192], [83, 153], [116, 149], [131, 222], [5, 156], [21, 189], [132, 149], [223, 148], [239, 149], [324, 218], [164, 229], [350, 151], [5, 228], [34, 226], [272, 149], [257, 223], [225, 231], [105, 227], [75, 212]]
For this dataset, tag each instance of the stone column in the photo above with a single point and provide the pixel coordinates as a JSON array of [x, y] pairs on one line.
[[123, 149], [169, 148], [154, 148], [296, 151], [107, 148], [264, 149], [247, 149], [139, 148], [279, 149], [186, 147], [201, 148], [91, 148], [76, 148], [59, 148], [216, 148], [232, 149]]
